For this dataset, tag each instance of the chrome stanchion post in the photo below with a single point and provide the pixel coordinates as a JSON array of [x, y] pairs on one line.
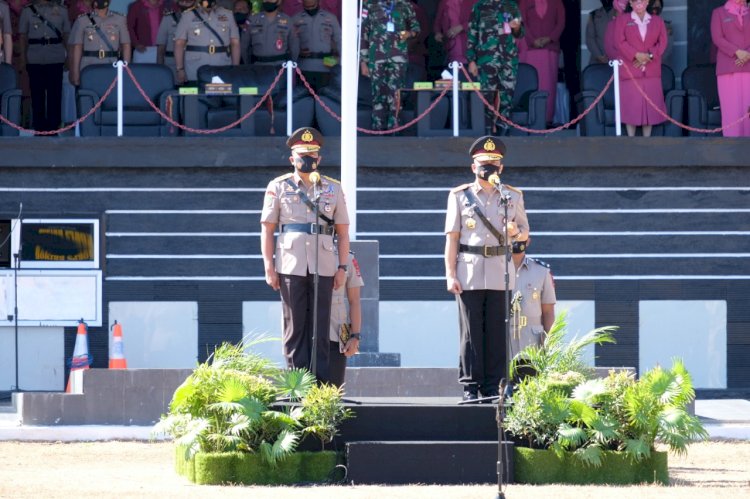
[[616, 68], [455, 65], [289, 65], [119, 65]]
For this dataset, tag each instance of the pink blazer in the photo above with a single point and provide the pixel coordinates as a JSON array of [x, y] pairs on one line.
[[551, 25], [628, 42], [729, 36], [452, 13]]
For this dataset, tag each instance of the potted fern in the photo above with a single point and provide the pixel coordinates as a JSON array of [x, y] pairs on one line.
[[228, 427], [571, 427]]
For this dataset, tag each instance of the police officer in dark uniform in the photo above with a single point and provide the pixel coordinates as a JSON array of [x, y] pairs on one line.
[[478, 238], [290, 206]]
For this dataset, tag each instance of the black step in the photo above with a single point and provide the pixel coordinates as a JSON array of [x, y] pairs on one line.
[[430, 462]]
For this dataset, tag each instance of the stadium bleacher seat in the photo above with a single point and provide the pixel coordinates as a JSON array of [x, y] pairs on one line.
[[138, 117]]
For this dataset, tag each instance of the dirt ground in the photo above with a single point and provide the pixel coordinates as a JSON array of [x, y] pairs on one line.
[[134, 469]]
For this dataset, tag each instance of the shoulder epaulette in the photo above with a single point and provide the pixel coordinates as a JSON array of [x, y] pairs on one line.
[[543, 264], [168, 12], [514, 189], [331, 179], [460, 188], [116, 13], [85, 14], [283, 177]]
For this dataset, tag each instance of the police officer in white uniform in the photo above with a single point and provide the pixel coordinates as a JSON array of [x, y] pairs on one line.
[[206, 35], [478, 239], [44, 28], [346, 322], [98, 37], [533, 309], [320, 42], [290, 206]]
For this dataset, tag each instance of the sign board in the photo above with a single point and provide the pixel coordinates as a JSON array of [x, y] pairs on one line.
[[52, 297]]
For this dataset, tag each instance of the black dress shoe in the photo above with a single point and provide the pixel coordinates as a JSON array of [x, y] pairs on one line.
[[470, 395]]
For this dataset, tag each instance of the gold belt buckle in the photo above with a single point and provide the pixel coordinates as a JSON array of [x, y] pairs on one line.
[[212, 49], [523, 321], [101, 53], [486, 251]]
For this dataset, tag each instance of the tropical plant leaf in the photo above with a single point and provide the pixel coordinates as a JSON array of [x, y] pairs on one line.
[[232, 390], [294, 383], [637, 449], [580, 412], [570, 437], [591, 455], [590, 390]]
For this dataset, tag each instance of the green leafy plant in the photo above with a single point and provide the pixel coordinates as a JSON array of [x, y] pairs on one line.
[[228, 404], [564, 408]]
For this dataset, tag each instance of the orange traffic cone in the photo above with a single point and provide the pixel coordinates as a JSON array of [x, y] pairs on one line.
[[81, 359], [116, 352]]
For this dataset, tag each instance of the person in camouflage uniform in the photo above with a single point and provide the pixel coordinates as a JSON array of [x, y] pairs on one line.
[[492, 52], [386, 30]]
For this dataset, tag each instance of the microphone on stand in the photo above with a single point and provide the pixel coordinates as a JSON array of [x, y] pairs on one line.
[[494, 179]]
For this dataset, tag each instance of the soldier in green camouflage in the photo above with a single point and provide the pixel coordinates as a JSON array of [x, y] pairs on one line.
[[387, 26], [492, 52]]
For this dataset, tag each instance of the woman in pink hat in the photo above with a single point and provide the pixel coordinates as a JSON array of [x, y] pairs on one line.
[[730, 32], [640, 39]]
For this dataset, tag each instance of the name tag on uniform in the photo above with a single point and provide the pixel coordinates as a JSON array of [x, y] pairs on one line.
[[390, 27]]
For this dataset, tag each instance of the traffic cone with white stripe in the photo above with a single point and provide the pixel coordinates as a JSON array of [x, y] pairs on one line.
[[116, 350], [81, 359]]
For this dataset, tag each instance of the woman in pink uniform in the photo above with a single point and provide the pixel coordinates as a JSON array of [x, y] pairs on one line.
[[544, 21], [609, 36], [451, 27], [640, 39], [730, 32]]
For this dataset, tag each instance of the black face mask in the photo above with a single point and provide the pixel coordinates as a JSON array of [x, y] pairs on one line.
[[484, 171], [519, 246], [607, 4], [307, 164], [101, 4], [270, 6], [240, 18], [312, 12]]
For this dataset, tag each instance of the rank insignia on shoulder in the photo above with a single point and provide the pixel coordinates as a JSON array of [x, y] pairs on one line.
[[543, 264], [331, 179], [461, 188], [514, 189], [283, 177]]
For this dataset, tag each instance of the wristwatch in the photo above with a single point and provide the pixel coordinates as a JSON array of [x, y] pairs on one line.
[[344, 267], [355, 336]]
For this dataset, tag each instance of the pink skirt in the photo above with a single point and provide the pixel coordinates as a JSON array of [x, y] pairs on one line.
[[734, 97], [634, 110], [546, 63]]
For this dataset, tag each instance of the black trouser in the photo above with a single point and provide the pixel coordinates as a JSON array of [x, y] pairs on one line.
[[482, 352], [297, 305], [45, 81], [336, 364]]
